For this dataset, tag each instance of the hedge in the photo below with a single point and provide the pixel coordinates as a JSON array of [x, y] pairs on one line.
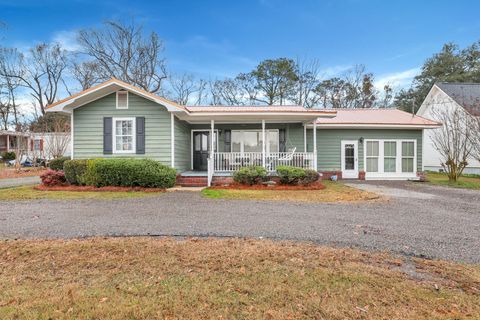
[[294, 175], [120, 172], [57, 163], [250, 175], [8, 156]]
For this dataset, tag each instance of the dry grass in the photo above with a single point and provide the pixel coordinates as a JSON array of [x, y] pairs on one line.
[[148, 278], [30, 193], [10, 173], [333, 192]]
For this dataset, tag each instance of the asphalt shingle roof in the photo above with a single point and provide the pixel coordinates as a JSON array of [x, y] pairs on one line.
[[465, 94]]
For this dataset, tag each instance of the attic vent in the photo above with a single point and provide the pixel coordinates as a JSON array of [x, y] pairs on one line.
[[122, 99]]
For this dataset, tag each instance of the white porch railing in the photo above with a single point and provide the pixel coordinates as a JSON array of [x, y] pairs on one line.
[[232, 161]]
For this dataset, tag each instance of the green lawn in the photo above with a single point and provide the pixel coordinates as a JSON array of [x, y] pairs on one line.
[[29, 193], [466, 181]]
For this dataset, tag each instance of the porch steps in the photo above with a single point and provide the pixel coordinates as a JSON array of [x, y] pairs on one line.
[[189, 181]]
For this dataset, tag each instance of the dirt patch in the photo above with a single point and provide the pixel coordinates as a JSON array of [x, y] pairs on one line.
[[42, 187], [238, 186], [9, 173]]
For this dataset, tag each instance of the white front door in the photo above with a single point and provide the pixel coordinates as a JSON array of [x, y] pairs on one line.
[[349, 159]]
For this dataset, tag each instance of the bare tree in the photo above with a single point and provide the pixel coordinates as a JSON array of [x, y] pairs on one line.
[[184, 88], [8, 101], [453, 140], [87, 73], [308, 73], [122, 51], [40, 71]]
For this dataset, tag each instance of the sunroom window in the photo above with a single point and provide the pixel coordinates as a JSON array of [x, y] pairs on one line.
[[389, 156], [124, 138], [372, 156], [408, 156]]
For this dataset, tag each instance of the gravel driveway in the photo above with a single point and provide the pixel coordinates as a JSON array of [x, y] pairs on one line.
[[445, 224]]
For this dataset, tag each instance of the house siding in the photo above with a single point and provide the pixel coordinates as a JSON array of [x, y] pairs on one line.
[[329, 144], [182, 145], [88, 127]]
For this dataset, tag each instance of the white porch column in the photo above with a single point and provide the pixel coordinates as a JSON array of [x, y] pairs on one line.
[[8, 143], [264, 143], [304, 137], [212, 136], [315, 144], [172, 139]]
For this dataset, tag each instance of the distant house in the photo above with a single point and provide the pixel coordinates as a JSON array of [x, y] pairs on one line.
[[448, 95], [34, 144], [116, 119]]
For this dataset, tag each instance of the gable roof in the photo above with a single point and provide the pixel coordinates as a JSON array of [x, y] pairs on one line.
[[466, 95], [108, 87], [376, 118]]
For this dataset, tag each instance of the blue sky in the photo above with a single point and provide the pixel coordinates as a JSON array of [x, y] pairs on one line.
[[222, 38]]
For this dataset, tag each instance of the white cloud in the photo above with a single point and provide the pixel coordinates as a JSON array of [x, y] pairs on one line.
[[331, 72], [398, 79], [67, 39]]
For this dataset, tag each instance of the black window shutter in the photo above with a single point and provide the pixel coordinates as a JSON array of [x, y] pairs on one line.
[[107, 135], [140, 128], [228, 140], [282, 137]]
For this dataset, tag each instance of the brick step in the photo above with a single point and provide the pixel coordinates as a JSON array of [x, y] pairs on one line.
[[192, 181], [192, 184]]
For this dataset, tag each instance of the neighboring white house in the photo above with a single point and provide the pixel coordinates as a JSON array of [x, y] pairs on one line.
[[452, 96], [36, 145]]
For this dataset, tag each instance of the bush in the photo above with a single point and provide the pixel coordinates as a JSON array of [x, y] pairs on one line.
[[75, 171], [57, 163], [290, 175], [250, 175], [128, 173], [53, 178], [311, 176], [8, 156]]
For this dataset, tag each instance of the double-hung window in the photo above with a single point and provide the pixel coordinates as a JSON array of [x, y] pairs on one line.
[[124, 135], [408, 156], [373, 152]]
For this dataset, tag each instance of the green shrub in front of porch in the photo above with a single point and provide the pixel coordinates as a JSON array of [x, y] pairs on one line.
[[294, 175], [120, 172], [250, 175]]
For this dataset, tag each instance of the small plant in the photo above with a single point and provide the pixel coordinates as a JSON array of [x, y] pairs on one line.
[[311, 176], [8, 156], [53, 178], [57, 163], [290, 175], [250, 175]]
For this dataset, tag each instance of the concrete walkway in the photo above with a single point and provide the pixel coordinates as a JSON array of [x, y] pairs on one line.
[[15, 182]]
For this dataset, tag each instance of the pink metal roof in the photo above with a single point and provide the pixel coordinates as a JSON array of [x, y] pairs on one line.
[[376, 117], [194, 109]]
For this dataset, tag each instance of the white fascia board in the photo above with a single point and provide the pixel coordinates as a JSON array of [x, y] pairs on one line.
[[372, 126]]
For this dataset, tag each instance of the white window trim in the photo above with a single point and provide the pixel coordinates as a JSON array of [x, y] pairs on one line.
[[398, 174], [121, 92], [114, 135], [267, 149]]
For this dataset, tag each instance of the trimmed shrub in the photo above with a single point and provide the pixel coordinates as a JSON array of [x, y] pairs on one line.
[[75, 171], [290, 175], [311, 176], [53, 178], [129, 173], [8, 156], [250, 175], [57, 163]]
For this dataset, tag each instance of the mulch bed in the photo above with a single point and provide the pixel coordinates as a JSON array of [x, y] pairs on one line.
[[238, 186], [42, 187]]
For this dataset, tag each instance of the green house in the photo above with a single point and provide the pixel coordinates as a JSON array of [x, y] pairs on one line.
[[115, 119]]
